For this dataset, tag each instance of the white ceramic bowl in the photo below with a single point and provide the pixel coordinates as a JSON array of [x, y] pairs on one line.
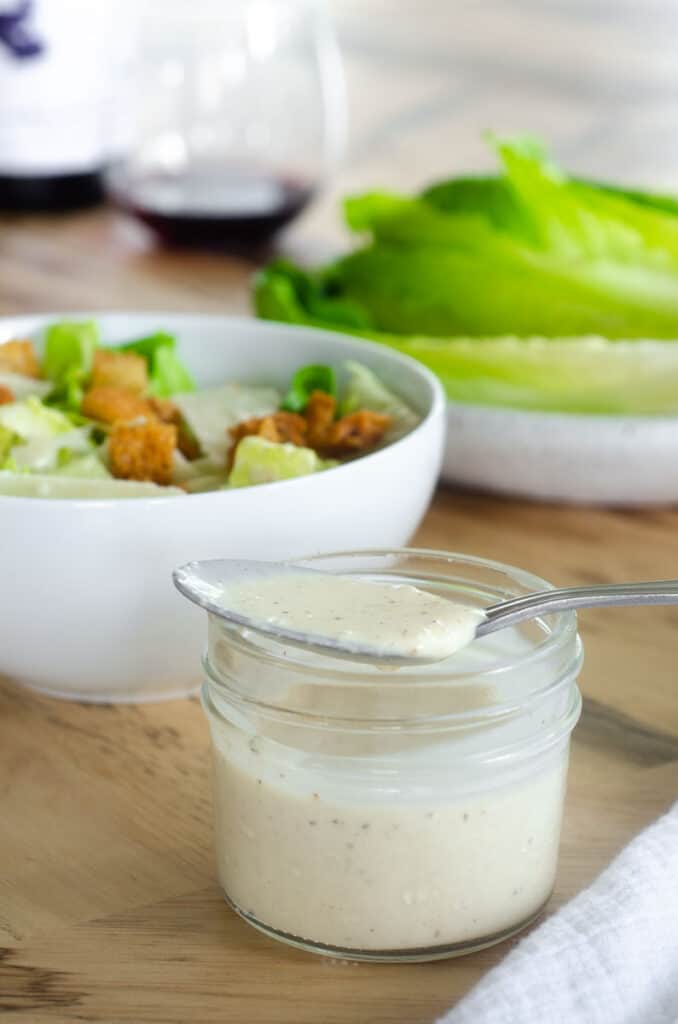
[[603, 460], [88, 610]]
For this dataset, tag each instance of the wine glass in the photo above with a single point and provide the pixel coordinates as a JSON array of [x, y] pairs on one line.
[[238, 116]]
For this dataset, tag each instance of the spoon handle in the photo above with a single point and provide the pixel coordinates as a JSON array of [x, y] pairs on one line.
[[508, 613]]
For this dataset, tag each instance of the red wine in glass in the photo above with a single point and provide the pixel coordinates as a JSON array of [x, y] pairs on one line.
[[204, 207]]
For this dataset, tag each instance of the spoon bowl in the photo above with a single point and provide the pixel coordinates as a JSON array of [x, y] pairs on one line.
[[208, 584]]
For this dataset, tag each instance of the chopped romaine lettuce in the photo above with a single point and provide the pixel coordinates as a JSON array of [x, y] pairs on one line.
[[83, 467], [364, 390], [166, 373], [7, 440], [211, 412], [31, 418], [42, 435], [198, 475], [169, 376], [258, 461], [45, 454], [34, 485], [23, 387], [149, 345], [48, 448], [304, 382], [67, 362], [203, 484]]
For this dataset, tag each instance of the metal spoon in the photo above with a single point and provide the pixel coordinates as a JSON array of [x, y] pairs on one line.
[[206, 584]]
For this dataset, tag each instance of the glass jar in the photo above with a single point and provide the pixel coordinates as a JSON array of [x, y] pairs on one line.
[[394, 814]]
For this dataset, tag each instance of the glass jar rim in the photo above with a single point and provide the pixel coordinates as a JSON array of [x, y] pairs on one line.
[[560, 642]]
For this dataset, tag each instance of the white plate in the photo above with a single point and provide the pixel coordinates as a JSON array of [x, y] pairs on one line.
[[88, 609], [614, 460]]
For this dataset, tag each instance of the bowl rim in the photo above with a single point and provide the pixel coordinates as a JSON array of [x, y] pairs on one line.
[[436, 403]]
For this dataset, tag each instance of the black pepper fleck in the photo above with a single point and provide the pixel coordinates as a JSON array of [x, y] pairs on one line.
[[365, 826], [465, 816], [313, 822]]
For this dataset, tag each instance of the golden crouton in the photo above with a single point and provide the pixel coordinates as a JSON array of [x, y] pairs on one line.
[[320, 413], [355, 433], [167, 412], [111, 404], [19, 357], [125, 370], [279, 427], [291, 428], [6, 395], [142, 450]]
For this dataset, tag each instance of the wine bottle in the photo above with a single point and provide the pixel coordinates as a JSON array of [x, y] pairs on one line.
[[56, 78]]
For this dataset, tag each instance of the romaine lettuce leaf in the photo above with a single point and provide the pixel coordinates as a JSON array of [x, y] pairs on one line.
[[167, 375], [210, 413], [573, 221], [305, 381], [149, 345], [67, 360], [258, 461], [583, 374], [531, 253], [580, 374]]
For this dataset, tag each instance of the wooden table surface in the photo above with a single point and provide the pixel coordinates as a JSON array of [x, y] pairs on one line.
[[109, 908]]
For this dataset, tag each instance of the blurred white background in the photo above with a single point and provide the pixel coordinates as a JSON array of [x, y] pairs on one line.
[[599, 78], [596, 79]]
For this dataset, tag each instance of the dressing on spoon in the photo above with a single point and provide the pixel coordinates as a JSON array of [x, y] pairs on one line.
[[393, 620]]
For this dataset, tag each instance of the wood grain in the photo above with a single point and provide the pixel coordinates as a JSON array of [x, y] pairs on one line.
[[109, 909]]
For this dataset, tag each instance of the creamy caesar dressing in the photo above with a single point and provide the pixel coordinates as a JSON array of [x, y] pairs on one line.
[[335, 860], [387, 619], [392, 814]]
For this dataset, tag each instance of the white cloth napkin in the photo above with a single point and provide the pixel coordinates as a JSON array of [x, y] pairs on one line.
[[610, 956]]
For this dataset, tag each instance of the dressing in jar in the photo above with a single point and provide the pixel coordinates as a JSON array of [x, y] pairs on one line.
[[382, 813]]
